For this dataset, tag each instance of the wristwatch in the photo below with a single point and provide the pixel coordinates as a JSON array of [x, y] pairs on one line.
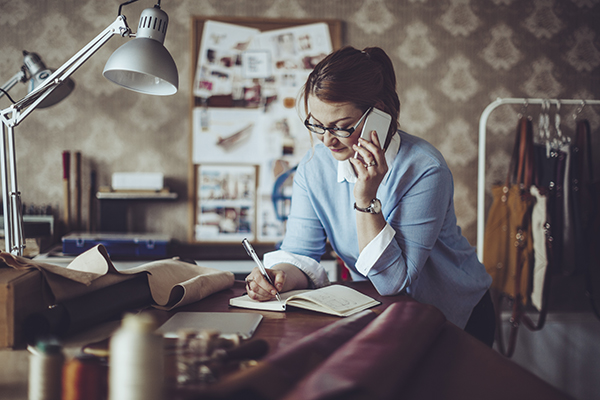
[[374, 207]]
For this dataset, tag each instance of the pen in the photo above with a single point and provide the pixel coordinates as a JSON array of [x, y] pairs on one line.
[[263, 271]]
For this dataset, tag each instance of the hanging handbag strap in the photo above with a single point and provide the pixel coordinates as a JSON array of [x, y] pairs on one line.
[[584, 142], [520, 170]]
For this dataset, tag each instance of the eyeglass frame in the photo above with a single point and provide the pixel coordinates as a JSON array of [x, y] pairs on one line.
[[333, 130]]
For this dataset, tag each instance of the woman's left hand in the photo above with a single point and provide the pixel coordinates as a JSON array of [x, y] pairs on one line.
[[370, 169]]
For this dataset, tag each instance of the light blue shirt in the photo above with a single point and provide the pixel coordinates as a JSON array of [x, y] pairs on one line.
[[420, 251]]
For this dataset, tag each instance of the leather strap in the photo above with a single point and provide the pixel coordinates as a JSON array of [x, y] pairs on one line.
[[521, 166]]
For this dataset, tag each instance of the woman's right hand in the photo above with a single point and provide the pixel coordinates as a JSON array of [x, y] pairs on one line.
[[285, 277], [259, 288], [370, 169]]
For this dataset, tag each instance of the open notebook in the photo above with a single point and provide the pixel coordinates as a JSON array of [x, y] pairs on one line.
[[335, 299]]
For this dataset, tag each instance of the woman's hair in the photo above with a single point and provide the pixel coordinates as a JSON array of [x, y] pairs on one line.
[[364, 78]]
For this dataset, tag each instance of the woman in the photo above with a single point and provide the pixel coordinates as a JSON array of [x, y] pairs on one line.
[[388, 213]]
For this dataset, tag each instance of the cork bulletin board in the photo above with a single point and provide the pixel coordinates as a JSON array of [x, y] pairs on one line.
[[245, 127]]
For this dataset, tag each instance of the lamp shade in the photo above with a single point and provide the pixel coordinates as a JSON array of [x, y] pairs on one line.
[[143, 64]]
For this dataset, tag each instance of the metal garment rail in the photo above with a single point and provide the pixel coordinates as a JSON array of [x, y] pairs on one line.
[[482, 136]]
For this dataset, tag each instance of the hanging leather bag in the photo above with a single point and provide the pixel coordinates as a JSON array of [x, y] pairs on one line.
[[508, 247], [586, 197], [584, 201], [508, 243]]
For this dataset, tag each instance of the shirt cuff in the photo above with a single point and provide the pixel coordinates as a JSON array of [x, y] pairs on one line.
[[373, 251], [315, 272]]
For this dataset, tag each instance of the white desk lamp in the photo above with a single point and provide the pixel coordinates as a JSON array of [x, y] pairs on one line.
[[142, 65]]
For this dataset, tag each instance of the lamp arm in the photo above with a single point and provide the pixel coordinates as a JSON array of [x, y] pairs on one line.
[[17, 112], [20, 76], [13, 115]]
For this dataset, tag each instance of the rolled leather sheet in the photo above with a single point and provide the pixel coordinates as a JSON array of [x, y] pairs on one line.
[[378, 361], [90, 290], [173, 282]]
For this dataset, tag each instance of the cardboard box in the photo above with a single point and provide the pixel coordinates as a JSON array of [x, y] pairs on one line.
[[20, 296], [137, 181]]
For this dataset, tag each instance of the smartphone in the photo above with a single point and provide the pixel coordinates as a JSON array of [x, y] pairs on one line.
[[379, 122]]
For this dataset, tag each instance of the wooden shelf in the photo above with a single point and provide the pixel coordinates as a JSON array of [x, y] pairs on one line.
[[136, 196]]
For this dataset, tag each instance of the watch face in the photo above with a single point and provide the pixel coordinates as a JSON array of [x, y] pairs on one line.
[[375, 206]]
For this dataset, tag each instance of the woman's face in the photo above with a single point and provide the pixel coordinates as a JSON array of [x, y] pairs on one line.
[[336, 115]]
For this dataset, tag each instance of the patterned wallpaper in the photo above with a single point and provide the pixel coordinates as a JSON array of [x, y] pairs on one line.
[[452, 57]]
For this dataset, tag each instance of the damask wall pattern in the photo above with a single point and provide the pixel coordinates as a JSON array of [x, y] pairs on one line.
[[452, 58]]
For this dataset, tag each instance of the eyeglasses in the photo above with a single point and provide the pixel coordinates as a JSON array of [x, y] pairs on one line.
[[339, 132]]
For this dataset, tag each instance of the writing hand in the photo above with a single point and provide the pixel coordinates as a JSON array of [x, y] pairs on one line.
[[259, 288]]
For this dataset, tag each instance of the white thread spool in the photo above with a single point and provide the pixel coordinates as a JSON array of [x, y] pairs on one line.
[[45, 371], [136, 365]]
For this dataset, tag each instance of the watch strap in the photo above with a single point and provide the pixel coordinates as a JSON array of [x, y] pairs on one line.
[[370, 209]]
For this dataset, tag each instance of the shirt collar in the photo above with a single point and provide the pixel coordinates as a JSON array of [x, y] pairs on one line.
[[346, 171]]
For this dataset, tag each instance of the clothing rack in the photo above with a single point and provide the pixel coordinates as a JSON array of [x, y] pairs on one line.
[[482, 136]]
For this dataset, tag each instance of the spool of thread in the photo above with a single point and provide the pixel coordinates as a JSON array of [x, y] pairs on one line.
[[45, 371], [85, 377], [136, 364]]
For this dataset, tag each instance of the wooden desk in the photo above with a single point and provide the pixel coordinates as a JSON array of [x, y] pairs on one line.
[[456, 366]]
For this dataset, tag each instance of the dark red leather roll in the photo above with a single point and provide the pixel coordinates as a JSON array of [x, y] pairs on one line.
[[279, 373], [376, 363]]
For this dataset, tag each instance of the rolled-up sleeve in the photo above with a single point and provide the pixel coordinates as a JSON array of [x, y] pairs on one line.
[[372, 251], [314, 271]]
